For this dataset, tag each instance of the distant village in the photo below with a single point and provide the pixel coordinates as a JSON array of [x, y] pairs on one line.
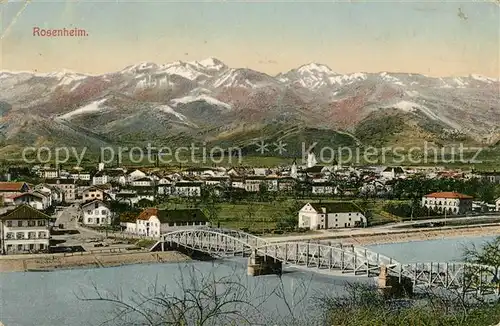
[[103, 196]]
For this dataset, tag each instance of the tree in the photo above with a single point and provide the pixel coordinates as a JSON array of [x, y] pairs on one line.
[[263, 193], [128, 217], [487, 254], [209, 203], [202, 299]]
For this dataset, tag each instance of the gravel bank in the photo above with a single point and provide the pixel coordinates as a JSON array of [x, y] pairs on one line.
[[58, 261], [422, 235]]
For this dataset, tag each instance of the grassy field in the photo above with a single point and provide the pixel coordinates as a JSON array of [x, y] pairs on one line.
[[264, 216]]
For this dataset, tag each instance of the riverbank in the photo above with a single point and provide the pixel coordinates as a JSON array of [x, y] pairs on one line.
[[423, 235], [49, 262]]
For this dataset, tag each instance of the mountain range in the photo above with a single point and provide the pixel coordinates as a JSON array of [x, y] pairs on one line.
[[207, 101]]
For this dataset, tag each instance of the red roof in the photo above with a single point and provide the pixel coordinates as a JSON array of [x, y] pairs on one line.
[[11, 186], [27, 194], [147, 213], [448, 195]]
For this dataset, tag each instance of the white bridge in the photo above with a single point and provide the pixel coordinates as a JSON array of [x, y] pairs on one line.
[[353, 260]]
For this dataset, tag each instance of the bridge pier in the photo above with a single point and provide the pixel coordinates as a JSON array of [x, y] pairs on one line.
[[391, 286], [263, 265]]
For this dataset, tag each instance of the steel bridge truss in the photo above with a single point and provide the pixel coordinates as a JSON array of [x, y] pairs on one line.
[[480, 279], [326, 256], [224, 242]]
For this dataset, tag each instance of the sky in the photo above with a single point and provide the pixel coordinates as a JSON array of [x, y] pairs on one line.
[[426, 37]]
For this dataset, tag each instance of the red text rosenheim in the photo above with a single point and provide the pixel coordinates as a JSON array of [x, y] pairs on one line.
[[59, 32]]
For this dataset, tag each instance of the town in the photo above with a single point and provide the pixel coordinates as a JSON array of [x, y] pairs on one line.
[[48, 209]]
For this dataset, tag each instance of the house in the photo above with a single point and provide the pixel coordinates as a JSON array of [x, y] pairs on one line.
[[452, 203], [35, 199], [315, 170], [261, 172], [164, 187], [100, 178], [153, 222], [198, 171], [49, 173], [391, 173], [286, 184], [135, 175], [80, 175], [9, 189], [142, 182], [331, 215], [128, 197], [272, 183], [95, 212], [233, 173], [108, 176], [237, 183], [92, 193], [24, 229], [67, 186], [187, 189], [213, 181], [56, 195], [493, 177], [252, 184], [497, 205], [322, 188]]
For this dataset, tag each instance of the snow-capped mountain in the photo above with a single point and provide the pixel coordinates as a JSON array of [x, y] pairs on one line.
[[190, 97]]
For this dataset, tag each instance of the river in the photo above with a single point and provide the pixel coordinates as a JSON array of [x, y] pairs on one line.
[[54, 298]]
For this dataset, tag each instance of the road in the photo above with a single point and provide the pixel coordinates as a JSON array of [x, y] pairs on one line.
[[383, 229], [86, 237]]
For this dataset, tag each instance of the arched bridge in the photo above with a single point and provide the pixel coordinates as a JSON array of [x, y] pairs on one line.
[[353, 260]]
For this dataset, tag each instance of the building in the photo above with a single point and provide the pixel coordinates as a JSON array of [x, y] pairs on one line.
[[322, 188], [67, 186], [95, 212], [135, 175], [92, 193], [497, 205], [286, 184], [142, 182], [493, 177], [311, 160], [253, 184], [188, 189], [100, 178], [56, 195], [316, 216], [452, 203], [128, 197], [34, 199], [391, 173], [153, 222], [49, 173], [81, 175], [11, 189], [24, 229]]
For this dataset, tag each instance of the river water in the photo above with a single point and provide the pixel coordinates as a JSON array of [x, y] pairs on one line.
[[55, 298]]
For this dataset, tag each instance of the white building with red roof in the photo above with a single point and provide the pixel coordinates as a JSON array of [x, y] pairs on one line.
[[9, 190], [451, 203]]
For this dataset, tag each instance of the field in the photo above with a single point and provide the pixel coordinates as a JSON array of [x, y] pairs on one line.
[[263, 217]]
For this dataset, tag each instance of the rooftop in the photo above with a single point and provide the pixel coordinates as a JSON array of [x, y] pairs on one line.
[[448, 195], [336, 207], [11, 186], [174, 215], [23, 212]]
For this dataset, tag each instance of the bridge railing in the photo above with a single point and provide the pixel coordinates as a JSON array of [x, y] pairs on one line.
[[357, 260]]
